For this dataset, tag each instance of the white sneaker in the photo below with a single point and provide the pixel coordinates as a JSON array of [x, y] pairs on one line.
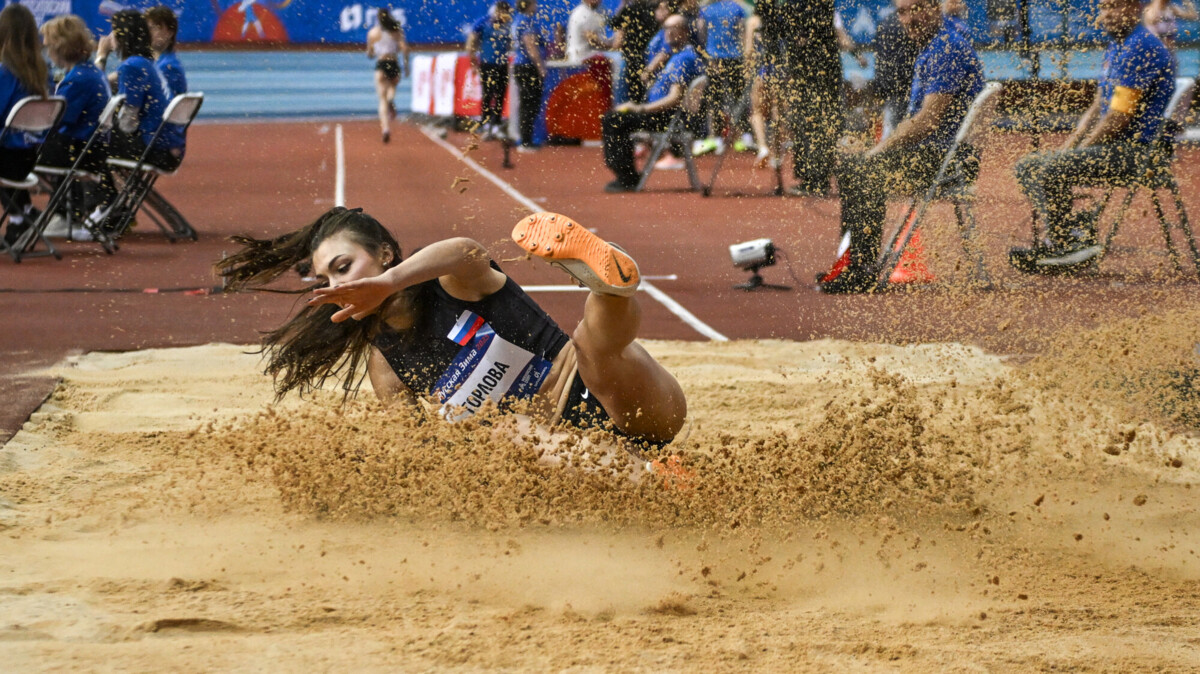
[[762, 158], [58, 227], [81, 233], [669, 163]]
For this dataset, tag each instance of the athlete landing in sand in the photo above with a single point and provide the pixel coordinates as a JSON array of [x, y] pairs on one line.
[[446, 322]]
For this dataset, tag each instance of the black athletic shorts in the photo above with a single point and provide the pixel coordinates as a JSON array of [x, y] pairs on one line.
[[390, 68], [584, 411]]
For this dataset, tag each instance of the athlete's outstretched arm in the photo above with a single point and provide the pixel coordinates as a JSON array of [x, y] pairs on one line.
[[462, 265]]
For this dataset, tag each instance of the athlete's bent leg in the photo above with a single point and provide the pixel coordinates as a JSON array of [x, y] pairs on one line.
[[643, 399]]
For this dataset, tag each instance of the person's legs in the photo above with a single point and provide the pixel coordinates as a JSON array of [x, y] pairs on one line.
[[1049, 178], [529, 88], [494, 77], [643, 399], [616, 131], [382, 107], [864, 184], [814, 107]]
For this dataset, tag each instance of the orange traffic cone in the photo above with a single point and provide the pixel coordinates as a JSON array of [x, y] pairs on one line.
[[912, 267]]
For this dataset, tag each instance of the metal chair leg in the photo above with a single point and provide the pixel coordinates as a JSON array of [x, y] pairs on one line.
[[1185, 225], [1166, 230], [1112, 233], [969, 234]]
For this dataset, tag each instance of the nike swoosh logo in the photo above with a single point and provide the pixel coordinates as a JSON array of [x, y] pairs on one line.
[[620, 272]]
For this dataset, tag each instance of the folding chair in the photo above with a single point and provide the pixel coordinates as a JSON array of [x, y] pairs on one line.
[[734, 112], [141, 176], [33, 116], [954, 183], [61, 196], [677, 135], [1158, 175]]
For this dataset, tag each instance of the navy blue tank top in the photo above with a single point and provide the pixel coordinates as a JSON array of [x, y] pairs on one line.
[[465, 353]]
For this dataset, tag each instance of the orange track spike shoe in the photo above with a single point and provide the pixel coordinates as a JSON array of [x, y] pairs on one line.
[[600, 266]]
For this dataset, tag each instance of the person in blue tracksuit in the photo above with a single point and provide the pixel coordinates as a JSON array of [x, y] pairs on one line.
[[23, 73]]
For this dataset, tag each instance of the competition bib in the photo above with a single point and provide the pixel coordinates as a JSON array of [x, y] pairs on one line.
[[488, 367]]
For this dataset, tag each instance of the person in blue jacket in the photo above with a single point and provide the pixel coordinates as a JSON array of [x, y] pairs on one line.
[[164, 26], [146, 98], [23, 73], [1113, 141], [69, 46], [529, 70], [489, 42]]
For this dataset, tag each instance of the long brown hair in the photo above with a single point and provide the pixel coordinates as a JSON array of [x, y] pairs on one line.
[[309, 349], [19, 49]]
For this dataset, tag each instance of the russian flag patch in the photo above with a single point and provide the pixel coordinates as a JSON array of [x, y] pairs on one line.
[[466, 327]]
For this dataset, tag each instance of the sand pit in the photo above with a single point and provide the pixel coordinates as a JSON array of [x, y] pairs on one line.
[[877, 507]]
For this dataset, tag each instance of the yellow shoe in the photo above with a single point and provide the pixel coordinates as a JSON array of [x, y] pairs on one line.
[[600, 266]]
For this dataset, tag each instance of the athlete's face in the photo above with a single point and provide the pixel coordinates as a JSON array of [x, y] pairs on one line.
[[340, 259], [160, 36]]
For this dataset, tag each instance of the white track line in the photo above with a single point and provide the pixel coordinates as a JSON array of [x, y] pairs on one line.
[[651, 290], [339, 183]]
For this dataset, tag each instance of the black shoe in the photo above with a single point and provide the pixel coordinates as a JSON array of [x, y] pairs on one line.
[[387, 136], [850, 281], [616, 187], [14, 232]]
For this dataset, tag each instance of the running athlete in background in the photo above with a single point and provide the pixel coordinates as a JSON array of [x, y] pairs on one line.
[[385, 42], [163, 27], [447, 323]]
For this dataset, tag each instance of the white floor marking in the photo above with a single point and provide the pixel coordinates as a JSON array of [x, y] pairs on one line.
[[339, 182], [650, 289]]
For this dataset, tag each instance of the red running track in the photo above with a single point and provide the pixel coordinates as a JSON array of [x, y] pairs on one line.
[[265, 179]]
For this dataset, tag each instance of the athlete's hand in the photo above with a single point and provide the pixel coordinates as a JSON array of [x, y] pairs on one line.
[[358, 299]]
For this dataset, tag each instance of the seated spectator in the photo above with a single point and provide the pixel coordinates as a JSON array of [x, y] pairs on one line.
[[663, 97], [946, 78], [69, 46], [22, 74], [488, 43], [163, 27], [586, 32], [1111, 143], [146, 98]]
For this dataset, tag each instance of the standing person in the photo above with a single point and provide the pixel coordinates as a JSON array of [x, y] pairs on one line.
[[23, 73], [895, 55], [585, 31], [447, 323], [810, 85], [946, 78], [164, 26], [386, 44], [529, 71], [724, 22], [1113, 141], [633, 27], [764, 96], [69, 46], [488, 42], [146, 98]]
